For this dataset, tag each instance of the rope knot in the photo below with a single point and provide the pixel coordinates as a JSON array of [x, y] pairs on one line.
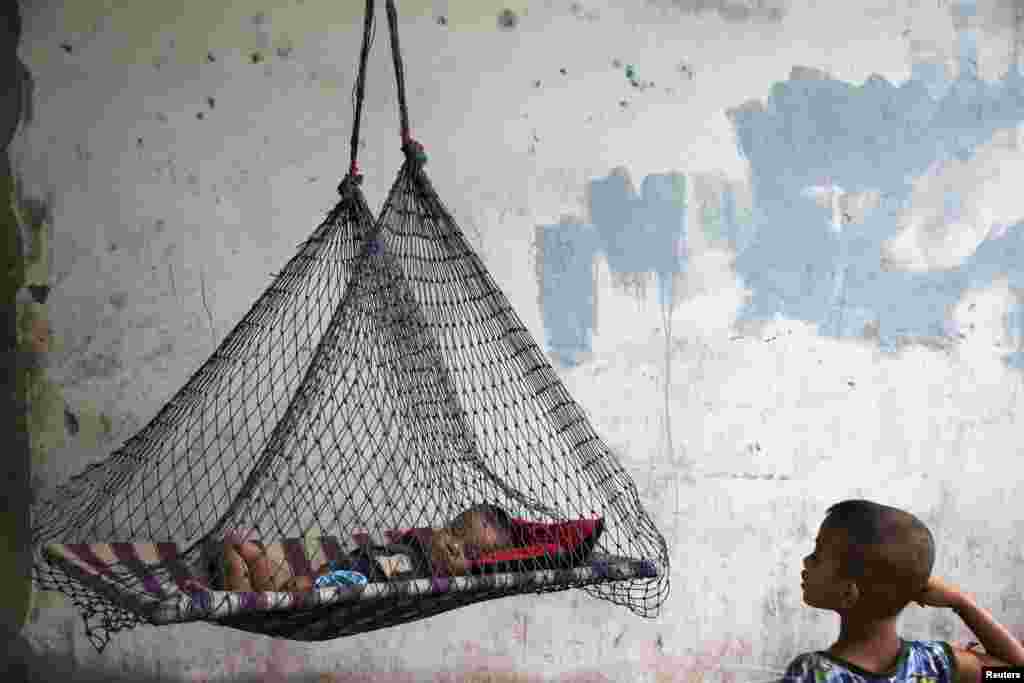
[[414, 151], [354, 173], [353, 178]]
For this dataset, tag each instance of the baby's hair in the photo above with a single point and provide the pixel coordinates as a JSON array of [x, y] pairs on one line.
[[492, 513], [890, 552], [497, 515]]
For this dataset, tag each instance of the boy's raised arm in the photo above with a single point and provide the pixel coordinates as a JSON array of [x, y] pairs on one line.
[[998, 641]]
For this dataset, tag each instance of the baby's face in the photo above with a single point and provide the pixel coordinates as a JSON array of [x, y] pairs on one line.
[[477, 530], [482, 534]]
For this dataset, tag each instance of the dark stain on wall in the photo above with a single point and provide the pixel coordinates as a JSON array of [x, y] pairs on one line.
[[27, 85], [580, 12], [165, 349], [71, 421], [737, 11], [103, 364], [508, 20], [40, 293], [35, 212]]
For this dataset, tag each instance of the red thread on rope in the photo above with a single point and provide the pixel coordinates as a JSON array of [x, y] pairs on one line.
[[353, 169]]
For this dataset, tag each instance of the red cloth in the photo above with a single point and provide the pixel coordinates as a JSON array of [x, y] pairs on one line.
[[536, 539], [533, 540]]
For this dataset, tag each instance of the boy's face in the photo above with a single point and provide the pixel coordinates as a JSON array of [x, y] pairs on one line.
[[822, 584]]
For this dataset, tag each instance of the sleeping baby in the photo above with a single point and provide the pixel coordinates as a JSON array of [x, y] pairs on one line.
[[448, 551]]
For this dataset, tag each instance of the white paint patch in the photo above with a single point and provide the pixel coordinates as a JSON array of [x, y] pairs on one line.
[[978, 320], [996, 23], [844, 207], [956, 205]]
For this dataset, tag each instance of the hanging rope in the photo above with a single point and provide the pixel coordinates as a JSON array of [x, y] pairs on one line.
[[359, 90], [413, 150]]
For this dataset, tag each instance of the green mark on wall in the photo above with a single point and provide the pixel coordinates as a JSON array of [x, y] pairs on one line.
[[44, 421], [717, 222], [47, 422], [16, 599], [711, 221], [679, 189]]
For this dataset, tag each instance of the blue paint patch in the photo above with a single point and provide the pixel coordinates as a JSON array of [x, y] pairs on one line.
[[636, 235], [873, 137], [877, 136], [727, 222], [933, 76], [642, 234], [567, 289], [734, 230], [965, 8], [967, 49], [1015, 323]]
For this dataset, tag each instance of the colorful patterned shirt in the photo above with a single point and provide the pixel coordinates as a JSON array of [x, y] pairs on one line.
[[920, 661]]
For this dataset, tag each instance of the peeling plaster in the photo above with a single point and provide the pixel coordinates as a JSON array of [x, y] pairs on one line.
[[736, 11], [724, 221], [872, 138], [196, 32]]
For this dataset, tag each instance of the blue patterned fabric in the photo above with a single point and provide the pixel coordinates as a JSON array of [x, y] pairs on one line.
[[920, 661], [340, 577]]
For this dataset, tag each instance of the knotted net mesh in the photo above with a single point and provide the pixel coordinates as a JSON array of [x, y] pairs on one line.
[[381, 382]]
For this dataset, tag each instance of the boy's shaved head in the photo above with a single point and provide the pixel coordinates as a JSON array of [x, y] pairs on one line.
[[889, 552]]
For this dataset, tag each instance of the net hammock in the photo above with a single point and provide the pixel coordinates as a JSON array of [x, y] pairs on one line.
[[379, 390]]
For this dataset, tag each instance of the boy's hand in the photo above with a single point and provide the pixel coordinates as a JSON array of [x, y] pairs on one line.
[[939, 593]]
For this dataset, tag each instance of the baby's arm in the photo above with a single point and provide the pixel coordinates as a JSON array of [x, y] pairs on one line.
[[248, 569], [236, 570]]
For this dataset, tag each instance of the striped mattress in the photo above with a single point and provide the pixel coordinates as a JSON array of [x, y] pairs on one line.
[[153, 581]]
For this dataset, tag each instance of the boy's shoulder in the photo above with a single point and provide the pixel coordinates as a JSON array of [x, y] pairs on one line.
[[923, 661]]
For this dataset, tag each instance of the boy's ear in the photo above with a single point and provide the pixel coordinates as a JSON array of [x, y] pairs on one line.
[[850, 594]]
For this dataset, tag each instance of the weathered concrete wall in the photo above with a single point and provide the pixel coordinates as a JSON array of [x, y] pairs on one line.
[[15, 367], [775, 249]]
